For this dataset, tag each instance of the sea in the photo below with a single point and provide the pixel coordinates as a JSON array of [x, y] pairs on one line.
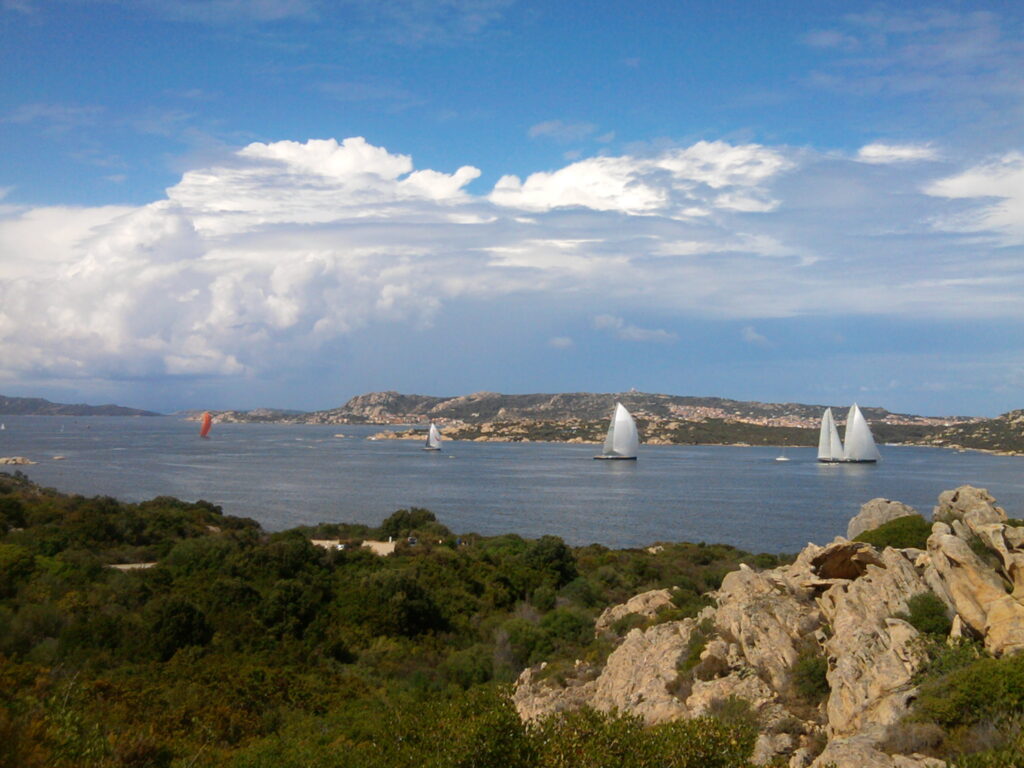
[[288, 475]]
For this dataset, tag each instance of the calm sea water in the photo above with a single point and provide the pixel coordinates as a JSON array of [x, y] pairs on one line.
[[289, 475]]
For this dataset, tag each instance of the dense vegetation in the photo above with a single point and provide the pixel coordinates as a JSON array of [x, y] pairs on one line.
[[901, 533], [247, 648]]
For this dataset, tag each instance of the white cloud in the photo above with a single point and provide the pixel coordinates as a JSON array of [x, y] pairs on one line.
[[263, 260], [306, 183], [1002, 179], [714, 173], [620, 329], [560, 342], [880, 153]]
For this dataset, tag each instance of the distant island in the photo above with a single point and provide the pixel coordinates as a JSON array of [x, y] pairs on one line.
[[582, 417], [37, 406]]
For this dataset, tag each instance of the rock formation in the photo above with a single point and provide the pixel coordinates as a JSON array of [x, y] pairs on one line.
[[875, 513], [839, 604]]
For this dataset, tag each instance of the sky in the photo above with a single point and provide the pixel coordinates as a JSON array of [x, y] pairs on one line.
[[285, 203]]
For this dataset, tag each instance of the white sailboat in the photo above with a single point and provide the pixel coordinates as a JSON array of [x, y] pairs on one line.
[[433, 439], [622, 441], [782, 455], [859, 446], [830, 447]]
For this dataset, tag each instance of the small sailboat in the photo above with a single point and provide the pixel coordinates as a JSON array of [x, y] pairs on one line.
[[830, 447], [433, 439], [207, 422], [859, 446], [782, 455], [3, 427], [622, 441]]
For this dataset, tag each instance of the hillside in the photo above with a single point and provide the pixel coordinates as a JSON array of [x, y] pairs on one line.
[[480, 407], [37, 406], [1004, 434]]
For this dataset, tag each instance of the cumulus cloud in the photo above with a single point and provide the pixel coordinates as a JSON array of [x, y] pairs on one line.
[[620, 329], [306, 183], [879, 153], [264, 259], [560, 342], [1001, 179], [713, 173]]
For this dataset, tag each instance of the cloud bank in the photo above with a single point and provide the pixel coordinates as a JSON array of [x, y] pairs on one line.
[[274, 253]]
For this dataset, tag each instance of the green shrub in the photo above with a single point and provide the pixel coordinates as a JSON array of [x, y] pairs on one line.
[[901, 533], [810, 681], [987, 689], [927, 614]]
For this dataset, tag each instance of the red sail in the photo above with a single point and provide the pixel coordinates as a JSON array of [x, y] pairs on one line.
[[204, 430]]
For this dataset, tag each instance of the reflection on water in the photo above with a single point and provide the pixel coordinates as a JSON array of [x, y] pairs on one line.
[[288, 475]]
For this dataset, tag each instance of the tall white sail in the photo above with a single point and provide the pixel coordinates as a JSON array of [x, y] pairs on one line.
[[433, 439], [859, 444], [622, 441], [830, 447]]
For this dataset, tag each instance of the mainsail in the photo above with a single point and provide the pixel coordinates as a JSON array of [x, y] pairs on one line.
[[622, 441], [204, 429], [830, 447], [859, 444], [433, 439]]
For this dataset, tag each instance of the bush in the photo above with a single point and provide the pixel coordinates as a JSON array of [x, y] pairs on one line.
[[810, 681], [927, 614], [177, 624], [987, 689], [901, 533]]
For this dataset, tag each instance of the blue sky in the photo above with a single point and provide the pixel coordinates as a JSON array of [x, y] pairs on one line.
[[218, 203]]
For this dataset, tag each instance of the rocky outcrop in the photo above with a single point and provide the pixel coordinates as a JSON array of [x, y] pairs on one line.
[[639, 673], [646, 604], [875, 513], [841, 602], [975, 506], [860, 752], [873, 655], [16, 460]]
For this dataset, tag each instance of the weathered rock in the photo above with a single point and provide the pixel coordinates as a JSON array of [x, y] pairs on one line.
[[977, 592], [535, 697], [1006, 541], [860, 752], [875, 513], [975, 506], [21, 460], [872, 655], [766, 620], [638, 673], [844, 560], [646, 604]]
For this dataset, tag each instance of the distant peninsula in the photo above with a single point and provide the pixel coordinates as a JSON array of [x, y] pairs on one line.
[[37, 406], [581, 417]]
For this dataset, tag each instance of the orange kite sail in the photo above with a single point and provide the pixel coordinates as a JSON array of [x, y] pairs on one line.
[[204, 430]]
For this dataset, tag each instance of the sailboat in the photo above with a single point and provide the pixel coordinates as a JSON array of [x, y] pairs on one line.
[[782, 455], [207, 422], [433, 439], [622, 441], [830, 447], [859, 446]]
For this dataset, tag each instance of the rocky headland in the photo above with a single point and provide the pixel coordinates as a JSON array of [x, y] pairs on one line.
[[828, 653], [582, 417]]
